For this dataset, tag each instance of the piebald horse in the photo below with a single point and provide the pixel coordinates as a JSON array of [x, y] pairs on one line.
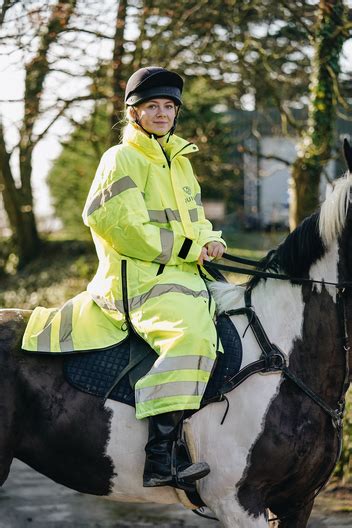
[[276, 444]]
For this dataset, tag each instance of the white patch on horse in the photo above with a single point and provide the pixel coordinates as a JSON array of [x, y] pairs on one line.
[[279, 306], [128, 437], [226, 295], [325, 269]]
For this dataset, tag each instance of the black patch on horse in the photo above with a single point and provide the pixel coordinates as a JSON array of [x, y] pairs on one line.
[[289, 446]]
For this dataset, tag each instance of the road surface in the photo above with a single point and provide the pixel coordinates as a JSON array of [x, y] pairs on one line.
[[30, 500]]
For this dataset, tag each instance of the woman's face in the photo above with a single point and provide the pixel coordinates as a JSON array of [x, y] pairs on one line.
[[157, 115]]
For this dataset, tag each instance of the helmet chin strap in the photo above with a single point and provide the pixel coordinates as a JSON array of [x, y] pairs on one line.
[[153, 134]]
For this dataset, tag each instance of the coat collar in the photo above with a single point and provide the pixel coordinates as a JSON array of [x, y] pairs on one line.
[[151, 147]]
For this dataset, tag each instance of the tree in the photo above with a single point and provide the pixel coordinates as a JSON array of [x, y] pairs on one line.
[[18, 200], [79, 158], [318, 139], [118, 82], [49, 40]]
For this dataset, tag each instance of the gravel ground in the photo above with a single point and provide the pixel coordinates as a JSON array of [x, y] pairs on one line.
[[29, 500]]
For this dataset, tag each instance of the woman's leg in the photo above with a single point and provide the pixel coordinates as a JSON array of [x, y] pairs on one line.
[[180, 328]]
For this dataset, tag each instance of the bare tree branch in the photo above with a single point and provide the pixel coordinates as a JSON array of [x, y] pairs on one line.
[[246, 150], [7, 4], [66, 104], [88, 32]]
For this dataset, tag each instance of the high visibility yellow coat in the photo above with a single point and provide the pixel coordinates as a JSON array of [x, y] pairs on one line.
[[147, 221]]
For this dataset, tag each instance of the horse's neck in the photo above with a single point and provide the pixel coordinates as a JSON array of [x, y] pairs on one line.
[[280, 308], [303, 322]]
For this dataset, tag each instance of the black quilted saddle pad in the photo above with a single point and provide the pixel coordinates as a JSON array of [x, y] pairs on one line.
[[96, 372]]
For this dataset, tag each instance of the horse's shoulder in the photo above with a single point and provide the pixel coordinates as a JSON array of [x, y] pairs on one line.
[[13, 323]]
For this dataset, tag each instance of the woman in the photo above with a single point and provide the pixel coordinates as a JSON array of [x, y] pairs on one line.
[[150, 233]]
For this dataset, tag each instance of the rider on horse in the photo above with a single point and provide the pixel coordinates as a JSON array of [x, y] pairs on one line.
[[148, 225]]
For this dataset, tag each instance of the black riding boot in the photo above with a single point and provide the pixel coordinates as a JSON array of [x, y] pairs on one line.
[[163, 430]]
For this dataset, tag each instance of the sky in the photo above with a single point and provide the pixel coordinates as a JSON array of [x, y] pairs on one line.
[[11, 87]]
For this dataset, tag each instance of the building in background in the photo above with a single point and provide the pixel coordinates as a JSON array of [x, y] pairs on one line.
[[267, 181], [267, 160]]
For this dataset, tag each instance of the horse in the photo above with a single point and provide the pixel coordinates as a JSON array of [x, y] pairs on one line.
[[276, 445]]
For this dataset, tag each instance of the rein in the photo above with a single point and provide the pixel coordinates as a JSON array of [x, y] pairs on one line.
[[272, 358], [213, 269]]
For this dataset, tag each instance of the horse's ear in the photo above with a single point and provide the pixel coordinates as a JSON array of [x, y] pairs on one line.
[[347, 150]]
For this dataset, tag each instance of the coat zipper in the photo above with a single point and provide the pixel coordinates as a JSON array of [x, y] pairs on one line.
[[166, 156], [177, 153]]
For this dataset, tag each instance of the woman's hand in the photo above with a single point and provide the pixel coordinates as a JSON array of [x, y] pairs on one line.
[[215, 249], [212, 249]]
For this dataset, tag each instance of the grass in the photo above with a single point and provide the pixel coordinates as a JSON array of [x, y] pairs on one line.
[[62, 269]]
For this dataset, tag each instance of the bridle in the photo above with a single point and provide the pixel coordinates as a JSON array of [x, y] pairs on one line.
[[272, 358]]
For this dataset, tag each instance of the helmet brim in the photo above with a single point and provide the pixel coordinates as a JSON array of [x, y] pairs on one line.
[[168, 92]]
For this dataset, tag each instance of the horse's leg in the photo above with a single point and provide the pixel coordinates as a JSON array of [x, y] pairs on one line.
[[7, 425], [12, 324], [232, 515]]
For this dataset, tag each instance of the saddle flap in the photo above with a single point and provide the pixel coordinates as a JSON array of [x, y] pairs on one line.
[[142, 356], [113, 372]]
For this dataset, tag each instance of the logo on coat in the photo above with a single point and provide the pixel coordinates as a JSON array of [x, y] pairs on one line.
[[188, 191]]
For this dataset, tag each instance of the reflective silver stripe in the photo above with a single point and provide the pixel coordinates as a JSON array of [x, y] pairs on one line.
[[114, 189], [157, 290], [167, 244], [44, 338], [193, 214], [168, 364], [197, 199], [164, 216], [108, 305], [65, 337], [162, 289], [167, 390]]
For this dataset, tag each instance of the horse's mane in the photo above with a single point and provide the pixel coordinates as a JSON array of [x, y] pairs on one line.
[[334, 210], [305, 245]]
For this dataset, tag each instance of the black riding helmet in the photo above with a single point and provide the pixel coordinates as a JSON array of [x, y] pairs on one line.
[[147, 83], [153, 82]]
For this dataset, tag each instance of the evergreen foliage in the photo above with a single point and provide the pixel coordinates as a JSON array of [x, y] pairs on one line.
[[72, 173]]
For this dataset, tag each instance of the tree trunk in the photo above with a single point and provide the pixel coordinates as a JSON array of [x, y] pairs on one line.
[[317, 142], [118, 83], [18, 201], [19, 208]]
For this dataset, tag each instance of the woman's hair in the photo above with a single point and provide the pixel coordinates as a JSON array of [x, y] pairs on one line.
[[125, 122]]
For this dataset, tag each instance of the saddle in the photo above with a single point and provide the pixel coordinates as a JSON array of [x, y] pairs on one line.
[[113, 372]]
